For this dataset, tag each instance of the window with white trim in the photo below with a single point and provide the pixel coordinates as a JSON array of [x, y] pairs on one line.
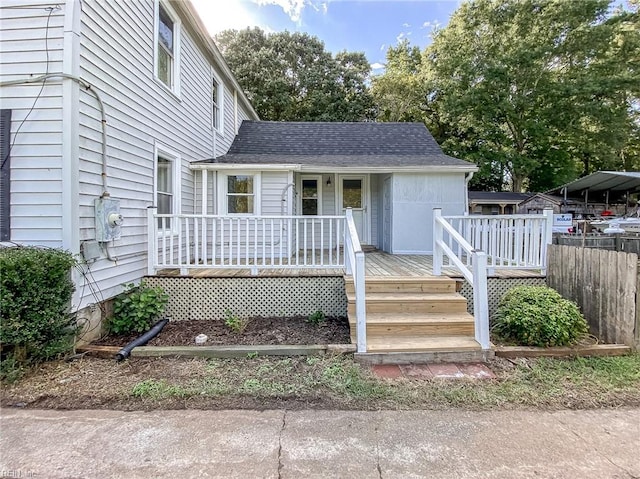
[[240, 194], [217, 98], [311, 195], [167, 188], [167, 44]]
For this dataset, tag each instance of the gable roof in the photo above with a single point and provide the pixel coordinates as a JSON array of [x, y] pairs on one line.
[[337, 144]]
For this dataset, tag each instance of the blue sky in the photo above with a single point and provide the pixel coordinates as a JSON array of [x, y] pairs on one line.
[[370, 26]]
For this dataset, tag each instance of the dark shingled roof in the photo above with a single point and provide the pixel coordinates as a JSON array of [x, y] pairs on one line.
[[337, 144], [498, 196]]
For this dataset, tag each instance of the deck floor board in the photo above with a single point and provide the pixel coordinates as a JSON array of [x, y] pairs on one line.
[[377, 263]]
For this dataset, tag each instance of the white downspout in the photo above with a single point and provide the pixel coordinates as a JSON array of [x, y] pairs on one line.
[[467, 179]]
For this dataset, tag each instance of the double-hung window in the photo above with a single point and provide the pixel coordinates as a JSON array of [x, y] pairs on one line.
[[311, 195], [167, 189], [241, 194], [217, 96], [167, 45]]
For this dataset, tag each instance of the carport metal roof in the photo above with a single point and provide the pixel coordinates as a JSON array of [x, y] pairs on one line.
[[611, 185]]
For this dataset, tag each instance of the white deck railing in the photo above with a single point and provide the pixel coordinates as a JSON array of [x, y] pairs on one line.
[[244, 242], [473, 268], [510, 241], [477, 244], [354, 264]]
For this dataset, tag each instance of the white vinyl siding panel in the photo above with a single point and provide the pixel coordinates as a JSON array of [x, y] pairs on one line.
[[414, 197], [329, 195], [36, 156], [273, 184], [117, 57]]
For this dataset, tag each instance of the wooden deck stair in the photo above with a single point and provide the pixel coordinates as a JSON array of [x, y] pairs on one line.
[[409, 314]]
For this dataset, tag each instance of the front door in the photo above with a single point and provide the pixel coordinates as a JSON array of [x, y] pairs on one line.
[[352, 193]]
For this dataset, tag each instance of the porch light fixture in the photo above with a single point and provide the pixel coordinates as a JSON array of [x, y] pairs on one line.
[[329, 181]]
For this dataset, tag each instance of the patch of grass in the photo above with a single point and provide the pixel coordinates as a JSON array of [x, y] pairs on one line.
[[324, 382], [552, 383], [158, 389]]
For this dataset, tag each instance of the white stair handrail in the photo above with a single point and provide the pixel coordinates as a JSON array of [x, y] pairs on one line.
[[476, 275], [354, 264]]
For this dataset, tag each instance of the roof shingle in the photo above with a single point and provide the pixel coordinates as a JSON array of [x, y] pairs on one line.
[[363, 144]]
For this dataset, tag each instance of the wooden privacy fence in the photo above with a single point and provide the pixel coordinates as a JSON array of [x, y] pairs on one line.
[[604, 284]]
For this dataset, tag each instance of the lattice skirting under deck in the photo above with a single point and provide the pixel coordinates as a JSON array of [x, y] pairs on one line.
[[209, 298]]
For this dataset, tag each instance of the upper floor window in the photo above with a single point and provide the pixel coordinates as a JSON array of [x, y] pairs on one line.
[[167, 47], [217, 98]]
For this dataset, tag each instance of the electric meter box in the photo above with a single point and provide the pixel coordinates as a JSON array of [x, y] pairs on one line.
[[108, 219]]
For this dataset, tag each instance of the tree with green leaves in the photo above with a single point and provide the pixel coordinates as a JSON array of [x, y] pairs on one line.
[[536, 92], [290, 76]]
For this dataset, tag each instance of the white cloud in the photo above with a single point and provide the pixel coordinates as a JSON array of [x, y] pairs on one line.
[[376, 66], [293, 8], [400, 37], [406, 25], [426, 24], [383, 47], [237, 15]]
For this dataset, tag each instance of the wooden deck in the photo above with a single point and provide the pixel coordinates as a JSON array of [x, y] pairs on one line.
[[377, 264]]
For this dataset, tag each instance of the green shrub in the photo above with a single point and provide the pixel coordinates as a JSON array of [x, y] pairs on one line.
[[136, 308], [538, 316], [35, 299], [316, 318]]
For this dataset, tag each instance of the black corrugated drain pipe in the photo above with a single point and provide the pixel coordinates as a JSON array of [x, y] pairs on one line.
[[125, 352]]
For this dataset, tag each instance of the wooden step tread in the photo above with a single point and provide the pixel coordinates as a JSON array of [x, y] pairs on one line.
[[410, 297], [421, 344], [415, 318], [404, 279]]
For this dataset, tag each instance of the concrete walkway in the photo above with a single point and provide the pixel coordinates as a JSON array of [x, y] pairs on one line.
[[324, 444]]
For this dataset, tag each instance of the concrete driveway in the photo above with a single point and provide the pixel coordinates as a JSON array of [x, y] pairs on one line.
[[320, 444]]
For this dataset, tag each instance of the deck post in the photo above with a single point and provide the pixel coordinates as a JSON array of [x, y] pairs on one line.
[[480, 299], [152, 239], [437, 237], [347, 244], [548, 239], [204, 190]]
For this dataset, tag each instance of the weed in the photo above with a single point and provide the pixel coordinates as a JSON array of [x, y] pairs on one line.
[[234, 322], [316, 318], [252, 355], [157, 389], [10, 369]]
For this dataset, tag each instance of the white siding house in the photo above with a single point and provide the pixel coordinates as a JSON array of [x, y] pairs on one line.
[[391, 175], [168, 99]]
